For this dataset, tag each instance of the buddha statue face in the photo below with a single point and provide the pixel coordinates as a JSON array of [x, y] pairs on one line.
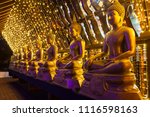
[[29, 47], [17, 51], [39, 44], [113, 17], [51, 39], [75, 30], [115, 13], [25, 48], [20, 50]]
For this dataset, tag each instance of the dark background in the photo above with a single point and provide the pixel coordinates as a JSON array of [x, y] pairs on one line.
[[5, 54]]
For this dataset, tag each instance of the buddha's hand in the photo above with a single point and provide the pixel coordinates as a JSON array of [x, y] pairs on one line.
[[90, 61], [113, 60], [60, 60]]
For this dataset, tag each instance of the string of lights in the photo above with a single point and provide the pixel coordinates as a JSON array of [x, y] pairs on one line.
[[33, 19]]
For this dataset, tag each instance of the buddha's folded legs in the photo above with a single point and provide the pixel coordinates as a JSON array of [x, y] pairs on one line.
[[97, 64], [69, 65], [122, 66]]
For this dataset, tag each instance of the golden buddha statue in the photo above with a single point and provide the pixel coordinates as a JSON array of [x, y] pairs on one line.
[[112, 78], [14, 60], [119, 45], [23, 59], [48, 70], [29, 58], [75, 57], [34, 65], [19, 56], [39, 52], [30, 53]]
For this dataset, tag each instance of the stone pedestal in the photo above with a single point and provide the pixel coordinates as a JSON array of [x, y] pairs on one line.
[[44, 74], [25, 68], [31, 71], [66, 78], [21, 66], [111, 87]]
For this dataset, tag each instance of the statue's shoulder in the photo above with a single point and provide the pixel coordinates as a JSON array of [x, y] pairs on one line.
[[55, 46], [42, 49], [127, 29], [108, 34], [81, 40]]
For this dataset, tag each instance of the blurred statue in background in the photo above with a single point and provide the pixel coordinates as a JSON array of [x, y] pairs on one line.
[[14, 60], [24, 58], [34, 66], [112, 78], [30, 53], [19, 58], [71, 65], [48, 70], [39, 52], [29, 58]]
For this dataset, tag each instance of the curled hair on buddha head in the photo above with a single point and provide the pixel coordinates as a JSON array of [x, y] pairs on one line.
[[117, 7], [76, 25]]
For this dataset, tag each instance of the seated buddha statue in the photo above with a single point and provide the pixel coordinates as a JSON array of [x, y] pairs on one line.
[[72, 62], [30, 53], [18, 57], [112, 78], [48, 70], [29, 58], [13, 62], [23, 58], [34, 65], [119, 45]]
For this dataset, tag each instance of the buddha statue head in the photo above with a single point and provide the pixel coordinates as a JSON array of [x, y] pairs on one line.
[[75, 28], [21, 50], [39, 43], [116, 13], [25, 48], [16, 51], [51, 39], [29, 47]]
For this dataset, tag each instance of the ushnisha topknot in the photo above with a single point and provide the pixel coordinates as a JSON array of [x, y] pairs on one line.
[[117, 7]]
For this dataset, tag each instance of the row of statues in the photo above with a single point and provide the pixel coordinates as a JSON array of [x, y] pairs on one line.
[[110, 77]]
